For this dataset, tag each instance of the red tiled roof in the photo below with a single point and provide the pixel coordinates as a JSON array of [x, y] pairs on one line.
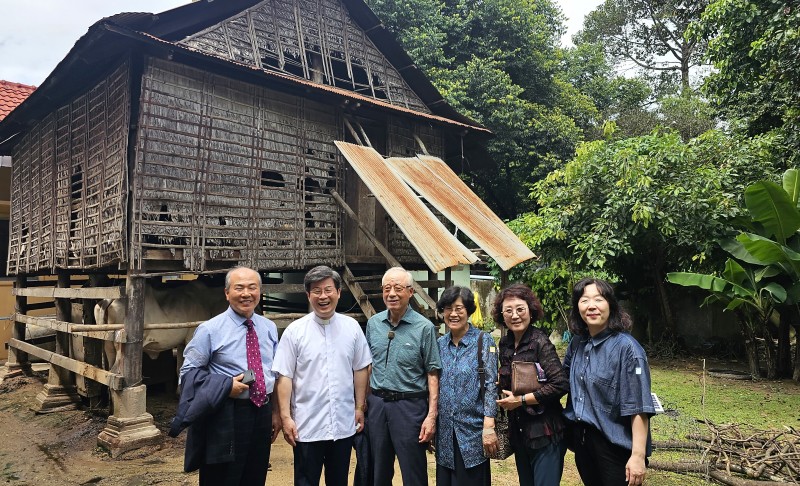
[[11, 95]]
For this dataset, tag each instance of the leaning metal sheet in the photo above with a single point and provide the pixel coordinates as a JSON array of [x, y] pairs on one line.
[[434, 243], [442, 188]]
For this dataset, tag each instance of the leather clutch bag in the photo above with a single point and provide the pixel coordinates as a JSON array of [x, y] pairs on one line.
[[525, 377]]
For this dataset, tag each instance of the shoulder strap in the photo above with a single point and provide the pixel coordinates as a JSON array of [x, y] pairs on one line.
[[481, 369]]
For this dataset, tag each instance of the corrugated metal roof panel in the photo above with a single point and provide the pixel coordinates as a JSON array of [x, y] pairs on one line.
[[431, 239], [442, 188]]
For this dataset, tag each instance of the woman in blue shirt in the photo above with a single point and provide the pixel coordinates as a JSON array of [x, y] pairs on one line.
[[465, 427], [609, 402]]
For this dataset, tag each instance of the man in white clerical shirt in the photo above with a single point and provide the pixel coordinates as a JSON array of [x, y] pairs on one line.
[[322, 362]]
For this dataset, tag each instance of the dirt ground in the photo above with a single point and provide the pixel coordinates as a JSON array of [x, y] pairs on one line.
[[61, 448]]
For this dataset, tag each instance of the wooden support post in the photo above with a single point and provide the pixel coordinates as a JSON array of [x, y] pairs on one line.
[[134, 330], [18, 363], [90, 350], [59, 393], [130, 426], [384, 251]]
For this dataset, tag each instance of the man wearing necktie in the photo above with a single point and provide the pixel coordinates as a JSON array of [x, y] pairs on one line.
[[322, 364], [233, 440]]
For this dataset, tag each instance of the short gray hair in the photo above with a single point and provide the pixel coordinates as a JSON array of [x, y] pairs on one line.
[[239, 267], [409, 277], [320, 273]]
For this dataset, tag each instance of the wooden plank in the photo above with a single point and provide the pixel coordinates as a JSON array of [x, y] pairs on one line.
[[111, 380], [384, 251], [147, 327], [361, 298], [64, 293], [48, 322]]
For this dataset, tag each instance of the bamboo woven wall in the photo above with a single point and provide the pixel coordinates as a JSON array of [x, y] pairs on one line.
[[313, 39], [231, 171], [69, 183]]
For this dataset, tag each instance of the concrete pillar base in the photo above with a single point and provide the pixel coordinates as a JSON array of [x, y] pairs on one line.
[[130, 427], [13, 370], [56, 398]]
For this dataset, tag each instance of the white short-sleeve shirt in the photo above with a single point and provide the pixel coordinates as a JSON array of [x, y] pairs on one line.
[[320, 360]]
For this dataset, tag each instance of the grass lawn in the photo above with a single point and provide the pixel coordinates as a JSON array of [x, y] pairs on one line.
[[688, 396]]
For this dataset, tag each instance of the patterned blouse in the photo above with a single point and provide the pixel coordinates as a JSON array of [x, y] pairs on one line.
[[461, 410]]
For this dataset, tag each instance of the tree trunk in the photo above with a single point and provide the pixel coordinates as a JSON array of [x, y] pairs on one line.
[[784, 364], [796, 373], [663, 298], [770, 350], [750, 344]]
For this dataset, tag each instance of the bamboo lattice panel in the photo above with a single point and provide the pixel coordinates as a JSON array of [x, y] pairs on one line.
[[313, 39], [69, 184], [228, 171]]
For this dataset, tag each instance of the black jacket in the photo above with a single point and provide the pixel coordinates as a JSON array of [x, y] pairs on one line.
[[205, 408]]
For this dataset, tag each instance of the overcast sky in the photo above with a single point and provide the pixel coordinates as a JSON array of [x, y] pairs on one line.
[[36, 34]]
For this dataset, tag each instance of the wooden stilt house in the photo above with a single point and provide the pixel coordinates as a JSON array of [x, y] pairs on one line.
[[277, 134]]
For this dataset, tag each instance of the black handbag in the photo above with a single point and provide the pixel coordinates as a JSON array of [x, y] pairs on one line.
[[504, 450]]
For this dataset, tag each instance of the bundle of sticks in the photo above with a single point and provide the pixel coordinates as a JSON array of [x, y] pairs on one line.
[[738, 455]]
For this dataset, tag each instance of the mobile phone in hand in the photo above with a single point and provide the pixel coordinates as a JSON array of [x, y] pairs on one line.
[[249, 377]]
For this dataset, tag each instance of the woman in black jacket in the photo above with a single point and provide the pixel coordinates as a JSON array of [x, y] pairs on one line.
[[537, 429]]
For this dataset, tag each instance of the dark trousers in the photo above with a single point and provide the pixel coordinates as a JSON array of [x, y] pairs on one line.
[[252, 432], [480, 475], [364, 469], [394, 430], [599, 462], [540, 467], [310, 457]]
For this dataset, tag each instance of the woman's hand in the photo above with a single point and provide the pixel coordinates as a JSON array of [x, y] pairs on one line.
[[509, 402], [489, 441], [635, 470]]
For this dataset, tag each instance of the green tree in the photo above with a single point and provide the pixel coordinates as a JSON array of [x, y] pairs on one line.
[[496, 61], [761, 282], [651, 35], [641, 207], [753, 47]]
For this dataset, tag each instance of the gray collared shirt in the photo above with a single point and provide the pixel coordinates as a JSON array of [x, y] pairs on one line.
[[609, 381]]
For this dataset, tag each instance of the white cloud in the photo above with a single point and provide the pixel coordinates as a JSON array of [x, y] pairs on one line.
[[37, 34]]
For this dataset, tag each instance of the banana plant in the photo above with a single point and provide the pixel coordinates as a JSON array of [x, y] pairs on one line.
[[762, 278]]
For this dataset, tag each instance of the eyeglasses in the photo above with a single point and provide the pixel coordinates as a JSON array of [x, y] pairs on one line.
[[327, 291], [521, 311], [397, 288], [456, 308]]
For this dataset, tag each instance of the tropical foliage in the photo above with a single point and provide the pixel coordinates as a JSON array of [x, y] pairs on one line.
[[761, 279]]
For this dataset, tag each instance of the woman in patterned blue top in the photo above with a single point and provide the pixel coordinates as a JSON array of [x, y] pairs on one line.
[[465, 427]]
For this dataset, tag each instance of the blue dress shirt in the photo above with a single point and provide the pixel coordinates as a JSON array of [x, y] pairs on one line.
[[609, 382], [220, 345]]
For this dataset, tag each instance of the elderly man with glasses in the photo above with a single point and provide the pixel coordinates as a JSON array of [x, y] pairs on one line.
[[404, 384], [322, 362]]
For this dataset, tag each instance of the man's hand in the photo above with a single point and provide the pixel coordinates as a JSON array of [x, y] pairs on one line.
[[635, 470], [359, 421], [290, 431], [428, 429], [276, 425], [238, 387]]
